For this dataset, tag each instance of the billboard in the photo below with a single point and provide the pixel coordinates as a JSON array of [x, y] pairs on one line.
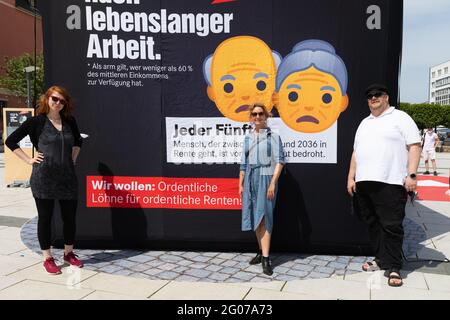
[[162, 89], [16, 171]]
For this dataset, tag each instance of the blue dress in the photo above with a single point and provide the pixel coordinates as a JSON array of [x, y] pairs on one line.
[[261, 152]]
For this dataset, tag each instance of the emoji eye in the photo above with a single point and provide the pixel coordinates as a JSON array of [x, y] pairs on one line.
[[261, 85], [228, 88], [326, 98], [293, 96]]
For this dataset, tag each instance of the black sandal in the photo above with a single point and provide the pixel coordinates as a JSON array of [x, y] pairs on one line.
[[394, 276], [373, 266], [256, 259]]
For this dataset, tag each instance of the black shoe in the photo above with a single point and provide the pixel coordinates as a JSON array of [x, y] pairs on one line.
[[256, 259], [426, 172], [266, 266], [435, 173]]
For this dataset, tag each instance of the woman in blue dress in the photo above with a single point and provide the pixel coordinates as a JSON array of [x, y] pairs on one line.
[[261, 165]]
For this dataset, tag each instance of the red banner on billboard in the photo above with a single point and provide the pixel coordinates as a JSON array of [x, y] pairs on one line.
[[162, 192]]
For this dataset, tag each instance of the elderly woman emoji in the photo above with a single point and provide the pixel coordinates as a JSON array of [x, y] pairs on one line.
[[311, 87]]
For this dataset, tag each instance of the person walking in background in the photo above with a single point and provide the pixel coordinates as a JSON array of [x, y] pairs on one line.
[[430, 141], [57, 140], [382, 170], [261, 165]]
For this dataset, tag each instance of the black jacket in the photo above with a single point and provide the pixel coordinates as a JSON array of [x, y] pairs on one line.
[[33, 127]]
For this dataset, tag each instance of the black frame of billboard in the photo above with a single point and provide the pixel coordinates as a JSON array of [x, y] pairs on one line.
[[313, 211]]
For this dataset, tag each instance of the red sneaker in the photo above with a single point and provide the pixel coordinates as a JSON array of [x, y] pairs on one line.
[[71, 258], [51, 267]]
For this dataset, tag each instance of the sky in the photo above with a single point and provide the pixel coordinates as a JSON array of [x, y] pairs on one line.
[[426, 42]]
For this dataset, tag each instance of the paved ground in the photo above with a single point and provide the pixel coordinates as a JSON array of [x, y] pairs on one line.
[[442, 163], [126, 274], [218, 266]]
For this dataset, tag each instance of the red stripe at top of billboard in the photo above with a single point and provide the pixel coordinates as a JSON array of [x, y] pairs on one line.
[[222, 1]]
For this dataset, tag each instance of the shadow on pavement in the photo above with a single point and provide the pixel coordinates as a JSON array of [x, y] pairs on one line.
[[425, 256]]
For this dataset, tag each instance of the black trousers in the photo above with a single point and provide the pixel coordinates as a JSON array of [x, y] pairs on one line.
[[382, 207], [45, 213]]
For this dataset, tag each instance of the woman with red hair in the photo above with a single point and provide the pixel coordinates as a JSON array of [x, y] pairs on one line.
[[57, 140]]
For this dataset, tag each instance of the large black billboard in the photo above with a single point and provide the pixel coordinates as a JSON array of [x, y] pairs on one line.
[[162, 90]]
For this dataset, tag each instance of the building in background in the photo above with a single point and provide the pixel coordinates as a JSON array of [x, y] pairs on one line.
[[16, 38], [440, 84]]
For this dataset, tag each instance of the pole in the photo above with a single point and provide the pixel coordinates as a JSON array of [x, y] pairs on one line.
[[28, 90], [35, 49]]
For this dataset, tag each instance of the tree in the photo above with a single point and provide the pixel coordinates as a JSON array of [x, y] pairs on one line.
[[447, 116], [425, 114], [14, 77]]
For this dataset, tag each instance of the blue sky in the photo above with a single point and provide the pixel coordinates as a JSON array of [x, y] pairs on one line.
[[426, 42]]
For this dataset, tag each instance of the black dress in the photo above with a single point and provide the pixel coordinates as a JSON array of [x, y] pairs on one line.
[[54, 178]]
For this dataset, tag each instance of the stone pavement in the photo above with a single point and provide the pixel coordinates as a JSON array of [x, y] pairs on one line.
[[442, 164], [128, 274], [220, 266]]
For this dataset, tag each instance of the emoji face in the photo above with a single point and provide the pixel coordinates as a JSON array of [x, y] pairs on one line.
[[310, 100], [242, 73]]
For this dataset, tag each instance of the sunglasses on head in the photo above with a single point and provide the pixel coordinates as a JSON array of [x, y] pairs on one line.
[[254, 114], [376, 95], [56, 100]]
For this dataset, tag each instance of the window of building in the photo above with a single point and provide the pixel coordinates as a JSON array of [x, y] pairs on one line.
[[3, 104], [442, 82], [439, 72], [27, 5], [433, 74], [445, 70]]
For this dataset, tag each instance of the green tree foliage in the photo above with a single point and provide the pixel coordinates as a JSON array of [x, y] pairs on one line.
[[14, 77], [447, 116], [425, 114]]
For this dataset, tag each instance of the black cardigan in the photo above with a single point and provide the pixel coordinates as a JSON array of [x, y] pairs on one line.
[[33, 127]]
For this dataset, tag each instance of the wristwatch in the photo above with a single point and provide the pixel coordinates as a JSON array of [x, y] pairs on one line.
[[412, 176]]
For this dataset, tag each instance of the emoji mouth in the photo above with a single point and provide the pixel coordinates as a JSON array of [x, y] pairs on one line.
[[242, 108], [308, 119]]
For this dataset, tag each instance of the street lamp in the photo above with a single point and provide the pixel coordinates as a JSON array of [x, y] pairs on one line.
[[27, 71]]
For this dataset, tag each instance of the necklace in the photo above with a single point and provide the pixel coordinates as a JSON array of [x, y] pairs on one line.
[[54, 120]]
